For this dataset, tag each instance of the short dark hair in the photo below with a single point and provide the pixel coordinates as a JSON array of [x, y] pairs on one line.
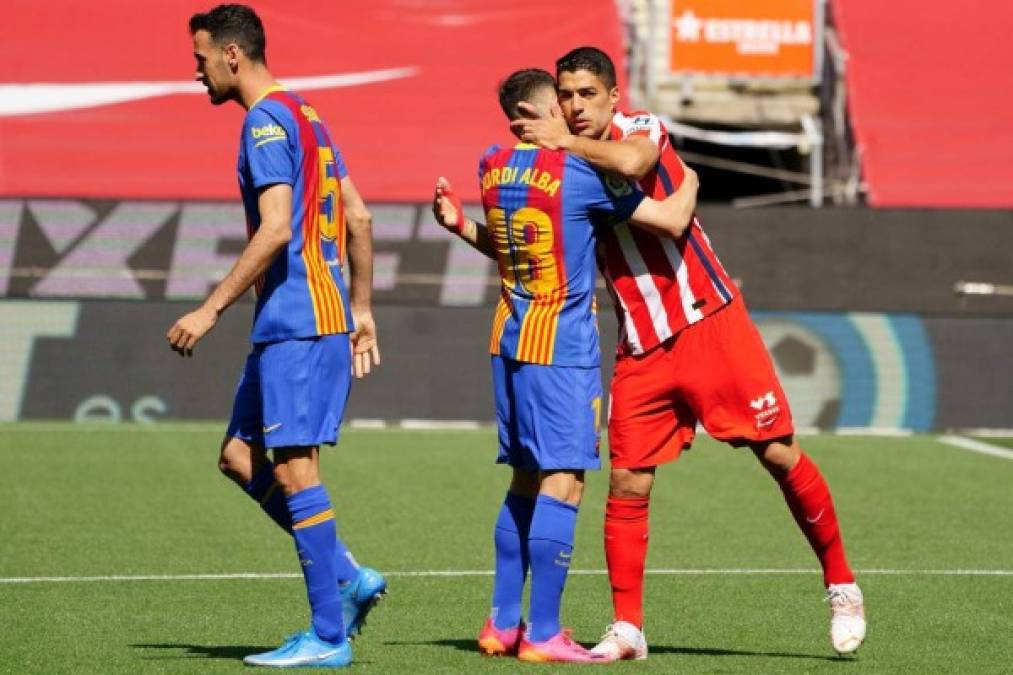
[[521, 86], [591, 59], [234, 23]]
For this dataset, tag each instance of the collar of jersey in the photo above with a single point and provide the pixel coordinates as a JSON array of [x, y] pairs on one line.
[[526, 146], [267, 92]]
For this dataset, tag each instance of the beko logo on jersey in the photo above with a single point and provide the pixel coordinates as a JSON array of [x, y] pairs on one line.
[[268, 131]]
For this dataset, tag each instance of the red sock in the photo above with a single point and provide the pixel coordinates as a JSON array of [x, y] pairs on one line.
[[625, 553], [808, 497]]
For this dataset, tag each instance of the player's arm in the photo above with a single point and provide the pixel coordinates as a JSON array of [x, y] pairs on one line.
[[671, 217], [273, 235], [632, 157], [450, 215], [359, 221]]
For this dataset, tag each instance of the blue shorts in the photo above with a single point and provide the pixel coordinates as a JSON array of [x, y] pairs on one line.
[[548, 416], [292, 394]]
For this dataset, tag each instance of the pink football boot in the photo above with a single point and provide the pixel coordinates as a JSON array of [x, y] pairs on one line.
[[557, 649], [494, 641]]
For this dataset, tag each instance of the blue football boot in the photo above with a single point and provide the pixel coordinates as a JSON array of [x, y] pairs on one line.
[[304, 650], [359, 596]]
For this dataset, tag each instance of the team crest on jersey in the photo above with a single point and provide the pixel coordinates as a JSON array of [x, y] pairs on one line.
[[309, 113], [618, 186]]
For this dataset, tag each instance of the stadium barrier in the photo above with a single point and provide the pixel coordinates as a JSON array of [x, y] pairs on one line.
[[858, 308]]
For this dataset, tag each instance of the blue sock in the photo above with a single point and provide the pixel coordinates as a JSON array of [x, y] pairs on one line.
[[264, 489], [550, 544], [511, 539], [347, 568], [315, 541]]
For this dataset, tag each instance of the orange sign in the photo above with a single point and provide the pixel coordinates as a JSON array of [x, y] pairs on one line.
[[768, 38]]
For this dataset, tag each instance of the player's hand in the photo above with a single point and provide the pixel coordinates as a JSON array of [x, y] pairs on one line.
[[549, 132], [447, 207], [190, 328], [365, 349]]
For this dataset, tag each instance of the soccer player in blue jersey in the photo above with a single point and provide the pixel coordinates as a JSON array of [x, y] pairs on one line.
[[542, 208], [309, 334]]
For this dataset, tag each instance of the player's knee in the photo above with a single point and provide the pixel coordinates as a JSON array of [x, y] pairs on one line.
[[576, 493], [566, 486], [778, 456], [295, 472], [234, 464], [631, 483]]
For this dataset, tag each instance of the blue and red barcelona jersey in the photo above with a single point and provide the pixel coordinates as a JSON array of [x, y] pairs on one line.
[[542, 208], [302, 294]]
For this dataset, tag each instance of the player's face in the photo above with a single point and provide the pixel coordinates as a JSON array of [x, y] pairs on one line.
[[212, 71], [588, 105]]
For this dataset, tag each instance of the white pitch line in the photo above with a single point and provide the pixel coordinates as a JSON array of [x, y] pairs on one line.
[[489, 573], [976, 446]]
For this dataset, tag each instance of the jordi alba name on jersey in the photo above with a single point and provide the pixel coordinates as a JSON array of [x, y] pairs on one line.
[[542, 208], [302, 294]]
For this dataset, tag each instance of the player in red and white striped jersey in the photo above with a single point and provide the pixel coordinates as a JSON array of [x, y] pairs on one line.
[[688, 353], [662, 286]]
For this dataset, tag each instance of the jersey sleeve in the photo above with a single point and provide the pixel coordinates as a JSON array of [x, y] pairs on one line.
[[611, 199], [339, 163], [268, 147], [483, 163], [639, 124]]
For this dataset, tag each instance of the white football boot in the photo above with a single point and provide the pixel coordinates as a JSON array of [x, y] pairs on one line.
[[847, 617], [622, 641]]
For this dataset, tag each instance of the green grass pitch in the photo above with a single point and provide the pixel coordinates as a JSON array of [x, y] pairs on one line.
[[126, 501]]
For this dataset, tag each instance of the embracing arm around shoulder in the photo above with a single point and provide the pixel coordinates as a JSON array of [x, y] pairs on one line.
[[359, 221], [273, 235], [671, 217], [632, 157]]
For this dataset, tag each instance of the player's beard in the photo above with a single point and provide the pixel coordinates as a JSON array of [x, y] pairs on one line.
[[217, 96]]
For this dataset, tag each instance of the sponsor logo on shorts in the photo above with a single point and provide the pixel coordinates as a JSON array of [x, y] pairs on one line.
[[269, 429], [767, 399], [767, 409]]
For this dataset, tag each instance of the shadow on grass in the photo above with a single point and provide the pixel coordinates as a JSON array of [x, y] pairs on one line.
[[185, 651], [710, 651], [471, 646]]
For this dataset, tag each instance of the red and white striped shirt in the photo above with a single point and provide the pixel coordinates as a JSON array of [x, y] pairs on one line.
[[658, 285]]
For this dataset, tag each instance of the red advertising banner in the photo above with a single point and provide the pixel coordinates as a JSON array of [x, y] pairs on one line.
[[773, 38], [408, 90]]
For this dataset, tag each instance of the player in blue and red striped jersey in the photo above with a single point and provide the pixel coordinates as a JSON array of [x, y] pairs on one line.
[[543, 209], [308, 335], [688, 353]]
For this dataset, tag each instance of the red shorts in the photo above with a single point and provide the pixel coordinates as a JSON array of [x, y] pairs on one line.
[[716, 371]]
